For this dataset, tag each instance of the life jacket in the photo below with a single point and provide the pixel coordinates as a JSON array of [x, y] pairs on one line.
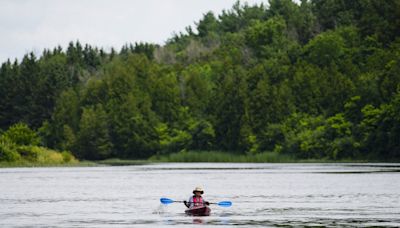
[[197, 201]]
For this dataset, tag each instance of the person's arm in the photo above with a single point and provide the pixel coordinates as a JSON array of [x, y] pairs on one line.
[[187, 204]]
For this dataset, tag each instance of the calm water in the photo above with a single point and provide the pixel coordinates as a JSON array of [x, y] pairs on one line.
[[262, 195]]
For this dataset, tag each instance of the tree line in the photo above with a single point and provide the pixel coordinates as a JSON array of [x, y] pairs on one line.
[[315, 79]]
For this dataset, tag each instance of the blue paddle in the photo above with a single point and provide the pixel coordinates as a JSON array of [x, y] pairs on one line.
[[221, 204]]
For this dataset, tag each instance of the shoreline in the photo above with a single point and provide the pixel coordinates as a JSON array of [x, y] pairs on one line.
[[2, 166], [121, 162]]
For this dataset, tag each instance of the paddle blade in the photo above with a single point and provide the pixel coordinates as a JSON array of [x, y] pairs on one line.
[[166, 201], [225, 204]]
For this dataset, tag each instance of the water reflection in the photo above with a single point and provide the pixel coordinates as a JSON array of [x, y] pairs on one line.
[[198, 221]]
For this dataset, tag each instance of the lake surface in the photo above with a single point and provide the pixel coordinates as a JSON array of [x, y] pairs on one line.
[[262, 195]]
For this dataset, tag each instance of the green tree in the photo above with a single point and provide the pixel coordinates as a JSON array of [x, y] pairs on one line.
[[208, 24], [230, 102], [196, 88], [66, 115], [308, 88], [265, 37], [166, 97], [325, 49], [93, 141], [8, 91], [341, 143]]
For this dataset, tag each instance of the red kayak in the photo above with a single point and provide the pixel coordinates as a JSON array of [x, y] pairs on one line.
[[198, 211]]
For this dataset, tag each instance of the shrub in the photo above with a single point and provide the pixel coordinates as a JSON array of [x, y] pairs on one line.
[[21, 134], [28, 153], [42, 155], [68, 157], [7, 151]]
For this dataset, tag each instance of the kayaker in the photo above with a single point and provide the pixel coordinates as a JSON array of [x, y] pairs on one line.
[[196, 199]]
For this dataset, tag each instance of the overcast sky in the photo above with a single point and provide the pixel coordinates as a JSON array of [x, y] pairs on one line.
[[32, 25]]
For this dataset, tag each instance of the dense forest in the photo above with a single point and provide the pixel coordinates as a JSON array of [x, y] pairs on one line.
[[317, 79]]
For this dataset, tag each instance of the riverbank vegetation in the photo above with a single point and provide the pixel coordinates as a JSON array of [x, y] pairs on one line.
[[218, 156], [280, 81], [19, 147]]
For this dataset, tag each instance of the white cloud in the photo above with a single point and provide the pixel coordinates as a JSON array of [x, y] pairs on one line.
[[32, 25]]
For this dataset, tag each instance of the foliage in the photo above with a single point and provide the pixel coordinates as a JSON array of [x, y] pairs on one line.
[[19, 145], [41, 155], [301, 80], [8, 151], [21, 134], [93, 136]]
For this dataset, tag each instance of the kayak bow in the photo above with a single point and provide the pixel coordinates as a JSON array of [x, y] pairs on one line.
[[198, 211]]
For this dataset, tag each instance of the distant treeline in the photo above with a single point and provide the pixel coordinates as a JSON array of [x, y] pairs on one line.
[[317, 79]]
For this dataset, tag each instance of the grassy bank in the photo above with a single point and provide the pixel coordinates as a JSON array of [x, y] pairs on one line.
[[266, 157], [217, 156], [49, 158], [121, 162], [28, 164]]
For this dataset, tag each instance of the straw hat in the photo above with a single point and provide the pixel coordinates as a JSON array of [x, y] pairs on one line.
[[198, 189]]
